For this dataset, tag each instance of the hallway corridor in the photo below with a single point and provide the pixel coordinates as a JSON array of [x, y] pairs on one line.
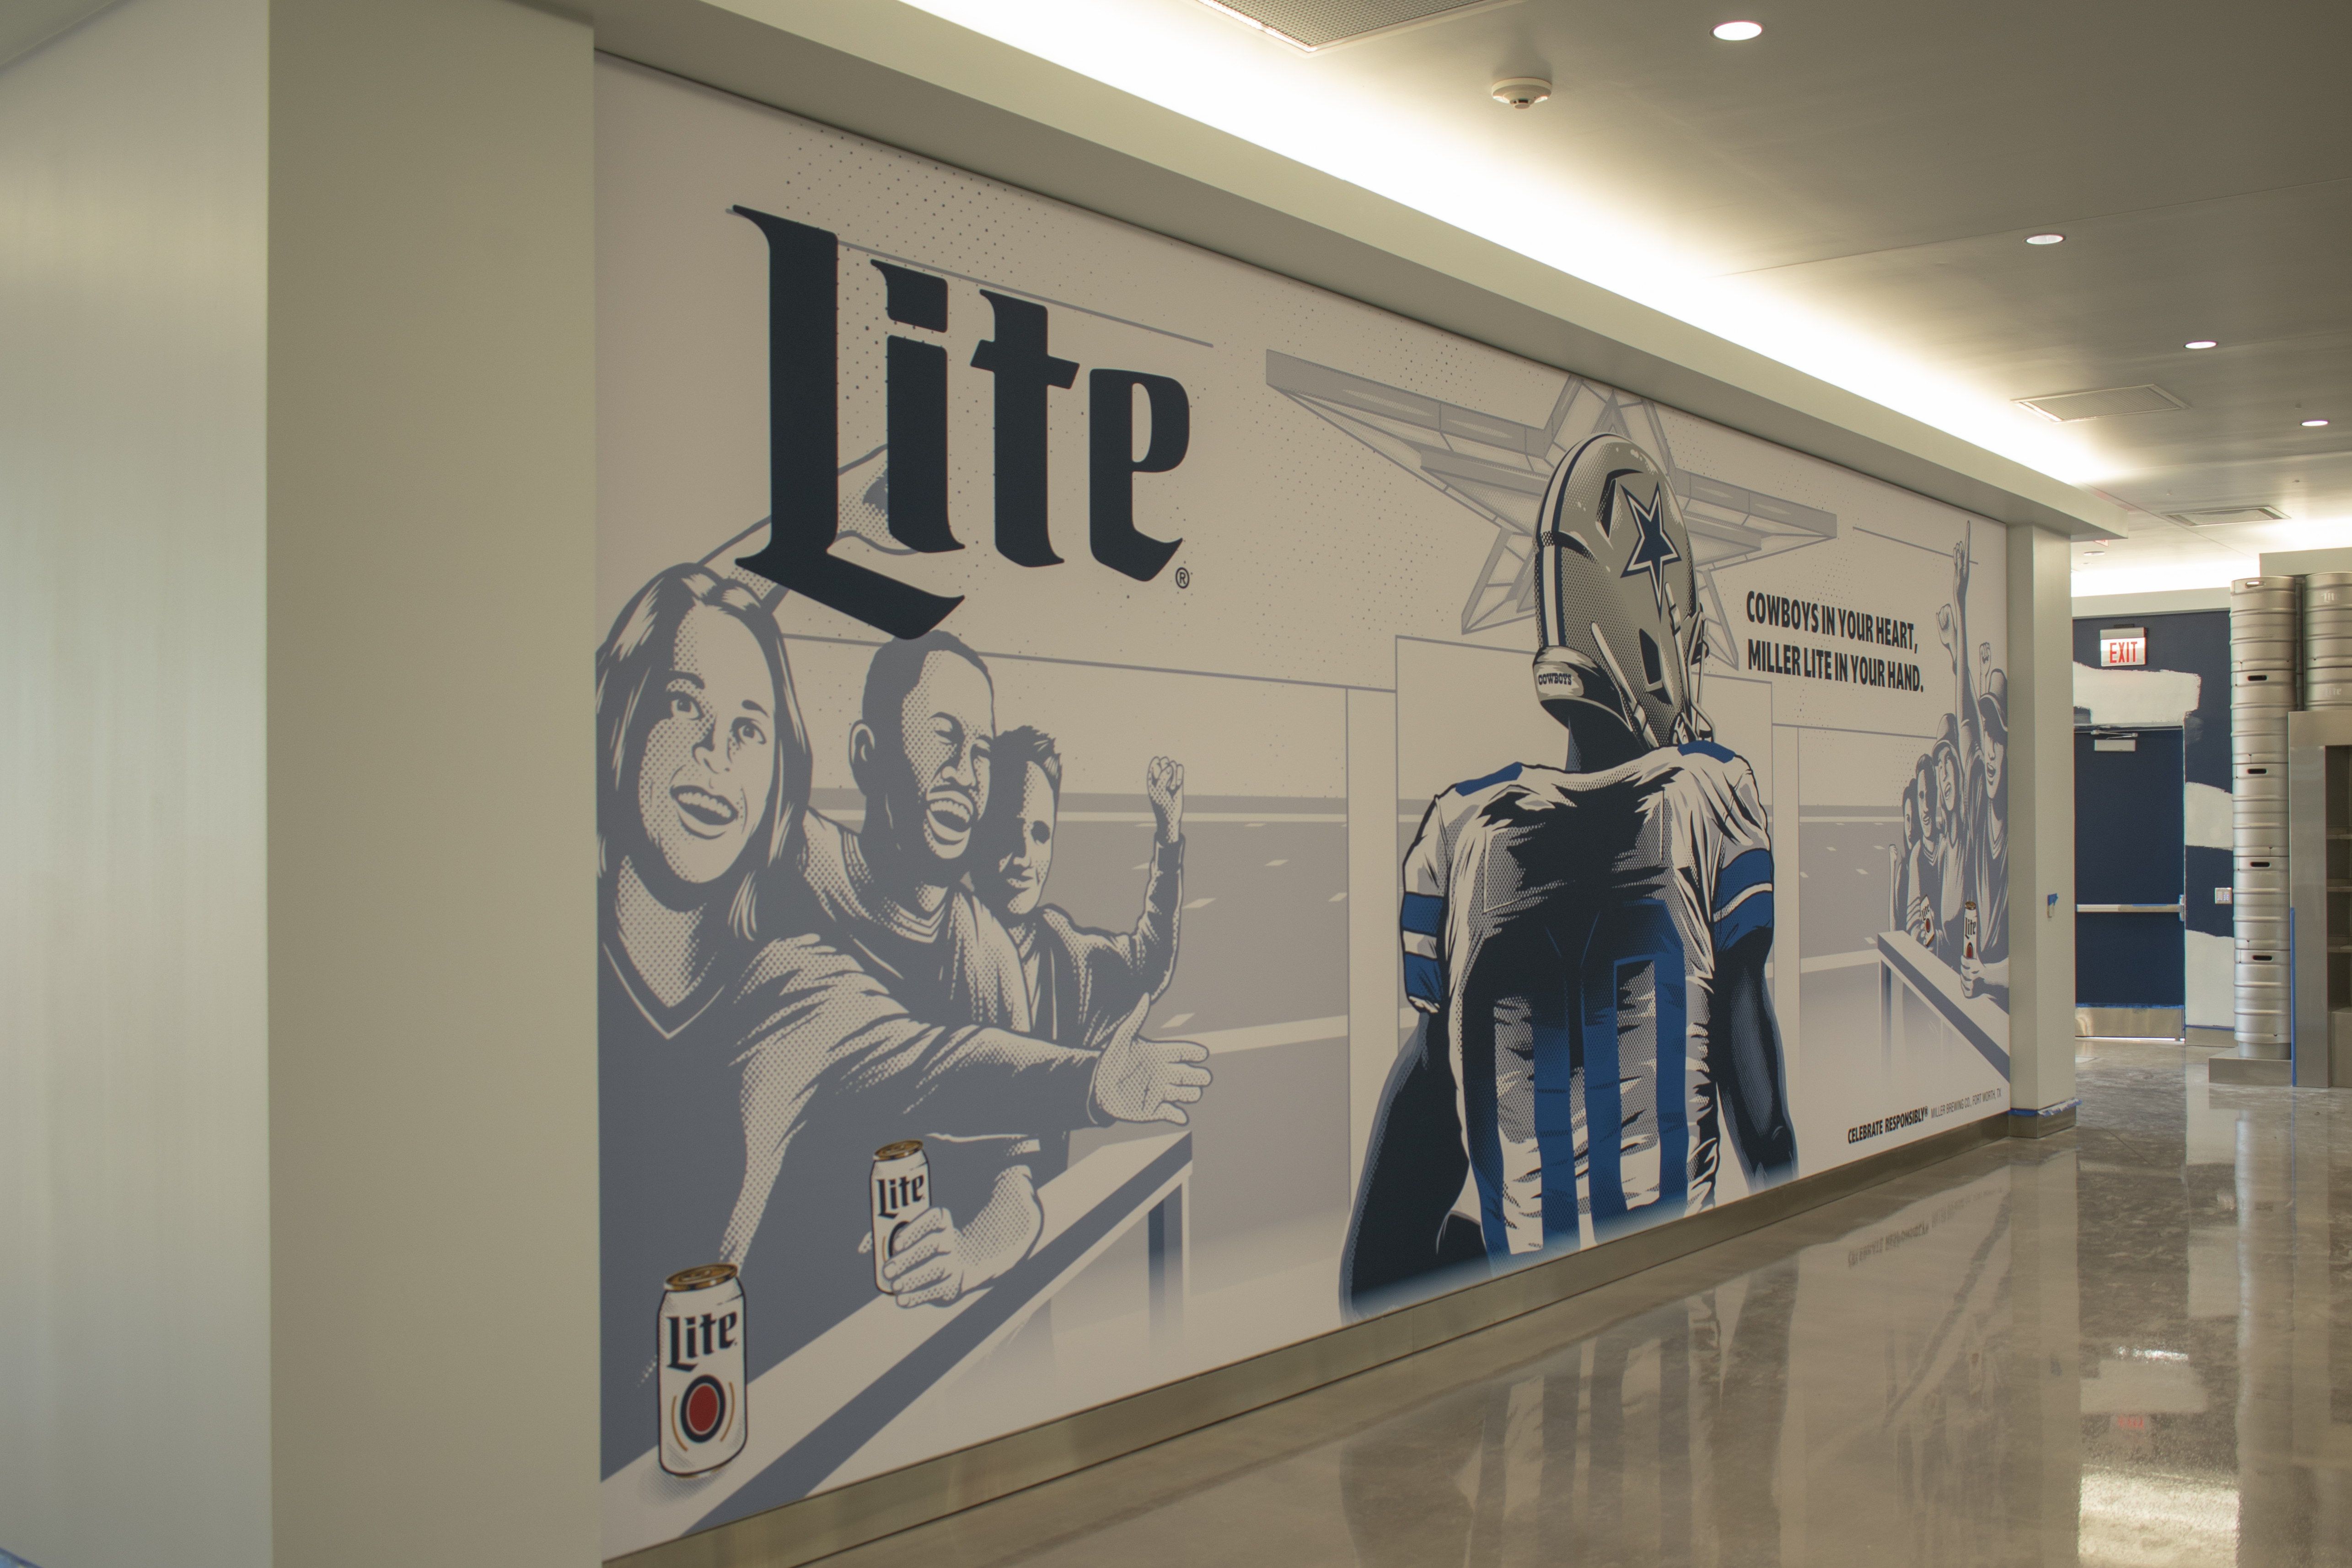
[[2128, 1344]]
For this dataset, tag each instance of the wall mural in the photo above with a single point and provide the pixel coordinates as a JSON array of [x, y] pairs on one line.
[[1147, 811]]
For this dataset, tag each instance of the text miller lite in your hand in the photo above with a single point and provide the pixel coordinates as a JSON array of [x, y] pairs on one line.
[[701, 1359], [902, 1194]]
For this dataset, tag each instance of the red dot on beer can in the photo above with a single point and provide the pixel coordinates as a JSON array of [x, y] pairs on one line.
[[704, 1407]]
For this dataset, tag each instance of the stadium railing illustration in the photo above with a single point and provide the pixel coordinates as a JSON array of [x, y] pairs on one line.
[[813, 1413], [1905, 965]]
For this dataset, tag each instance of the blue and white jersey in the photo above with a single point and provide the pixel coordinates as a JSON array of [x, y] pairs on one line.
[[1565, 928]]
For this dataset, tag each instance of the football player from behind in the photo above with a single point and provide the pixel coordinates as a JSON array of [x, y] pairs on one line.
[[1587, 942]]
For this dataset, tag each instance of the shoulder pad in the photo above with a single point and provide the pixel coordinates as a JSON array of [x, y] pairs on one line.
[[1499, 776]]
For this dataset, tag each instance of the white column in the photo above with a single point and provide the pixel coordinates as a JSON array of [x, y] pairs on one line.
[[432, 818], [134, 1045], [2040, 821]]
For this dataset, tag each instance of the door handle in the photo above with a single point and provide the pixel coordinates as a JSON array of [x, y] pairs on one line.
[[2127, 909]]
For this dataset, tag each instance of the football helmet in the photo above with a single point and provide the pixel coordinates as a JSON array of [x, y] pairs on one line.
[[1617, 595]]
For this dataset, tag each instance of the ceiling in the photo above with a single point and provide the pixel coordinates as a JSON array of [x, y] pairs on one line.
[[1851, 193]]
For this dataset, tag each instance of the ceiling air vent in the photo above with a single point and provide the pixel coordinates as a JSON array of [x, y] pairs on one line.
[[2212, 516], [1312, 25], [2061, 407]]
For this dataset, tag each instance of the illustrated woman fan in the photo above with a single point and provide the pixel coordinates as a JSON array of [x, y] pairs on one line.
[[741, 1053]]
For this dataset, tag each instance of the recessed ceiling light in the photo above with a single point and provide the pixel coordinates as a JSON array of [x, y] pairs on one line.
[[2045, 239], [2088, 554], [2203, 343], [1738, 32], [2313, 424]]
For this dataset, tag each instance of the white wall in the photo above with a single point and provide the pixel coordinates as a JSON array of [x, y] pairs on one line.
[[432, 825], [2111, 606], [134, 1250]]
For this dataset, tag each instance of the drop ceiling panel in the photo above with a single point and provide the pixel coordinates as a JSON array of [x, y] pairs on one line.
[[1318, 23]]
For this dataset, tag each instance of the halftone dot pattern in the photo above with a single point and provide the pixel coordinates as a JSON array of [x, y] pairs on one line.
[[1308, 553], [1311, 565]]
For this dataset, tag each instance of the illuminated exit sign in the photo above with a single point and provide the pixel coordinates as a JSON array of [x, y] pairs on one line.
[[2121, 646]]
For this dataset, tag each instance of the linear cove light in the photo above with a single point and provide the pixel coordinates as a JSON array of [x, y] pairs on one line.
[[1526, 198]]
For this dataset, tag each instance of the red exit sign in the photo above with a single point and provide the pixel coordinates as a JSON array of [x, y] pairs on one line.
[[2121, 646]]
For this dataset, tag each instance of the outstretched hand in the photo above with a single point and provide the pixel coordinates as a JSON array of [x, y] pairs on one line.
[[1149, 1080], [1163, 785]]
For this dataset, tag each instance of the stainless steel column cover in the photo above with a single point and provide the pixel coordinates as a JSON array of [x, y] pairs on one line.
[[2326, 640], [2310, 735], [2265, 635]]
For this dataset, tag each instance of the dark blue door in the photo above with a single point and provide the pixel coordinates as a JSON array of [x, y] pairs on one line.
[[2128, 835]]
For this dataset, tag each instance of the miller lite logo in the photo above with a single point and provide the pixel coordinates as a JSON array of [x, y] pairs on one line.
[[901, 1195], [803, 436], [703, 1410], [893, 1194], [701, 1329]]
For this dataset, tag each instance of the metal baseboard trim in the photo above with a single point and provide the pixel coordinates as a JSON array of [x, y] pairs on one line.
[[883, 1505], [2131, 1023], [2041, 1123], [2275, 1072]]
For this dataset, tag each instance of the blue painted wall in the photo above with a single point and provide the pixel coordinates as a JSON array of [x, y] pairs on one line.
[[2196, 641]]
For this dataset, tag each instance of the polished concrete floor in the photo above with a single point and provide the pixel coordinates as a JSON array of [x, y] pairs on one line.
[[2130, 1343]]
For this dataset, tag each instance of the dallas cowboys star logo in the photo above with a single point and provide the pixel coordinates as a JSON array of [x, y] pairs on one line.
[[1652, 551]]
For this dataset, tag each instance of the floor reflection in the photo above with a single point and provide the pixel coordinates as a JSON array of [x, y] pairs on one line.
[[1613, 1449], [2130, 1344]]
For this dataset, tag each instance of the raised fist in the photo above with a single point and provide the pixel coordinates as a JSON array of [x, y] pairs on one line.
[[1163, 785]]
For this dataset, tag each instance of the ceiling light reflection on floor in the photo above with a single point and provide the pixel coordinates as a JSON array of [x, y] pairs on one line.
[[1738, 32], [2045, 239], [2313, 423], [2138, 1516], [2201, 343]]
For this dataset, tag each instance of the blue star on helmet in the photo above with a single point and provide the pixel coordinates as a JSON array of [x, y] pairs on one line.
[[1652, 551]]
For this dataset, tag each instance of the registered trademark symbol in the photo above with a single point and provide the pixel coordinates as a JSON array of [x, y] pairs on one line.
[[1183, 576]]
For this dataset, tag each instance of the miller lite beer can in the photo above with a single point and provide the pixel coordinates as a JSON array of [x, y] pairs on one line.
[[1969, 932], [701, 1359], [901, 1194]]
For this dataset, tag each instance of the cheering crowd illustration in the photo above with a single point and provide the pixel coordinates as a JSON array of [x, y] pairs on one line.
[[1951, 870], [781, 995]]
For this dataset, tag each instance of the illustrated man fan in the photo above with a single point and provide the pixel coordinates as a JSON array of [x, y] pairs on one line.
[[898, 892], [750, 1061]]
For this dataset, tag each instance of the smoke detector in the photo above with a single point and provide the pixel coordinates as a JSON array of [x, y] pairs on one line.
[[1521, 91]]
